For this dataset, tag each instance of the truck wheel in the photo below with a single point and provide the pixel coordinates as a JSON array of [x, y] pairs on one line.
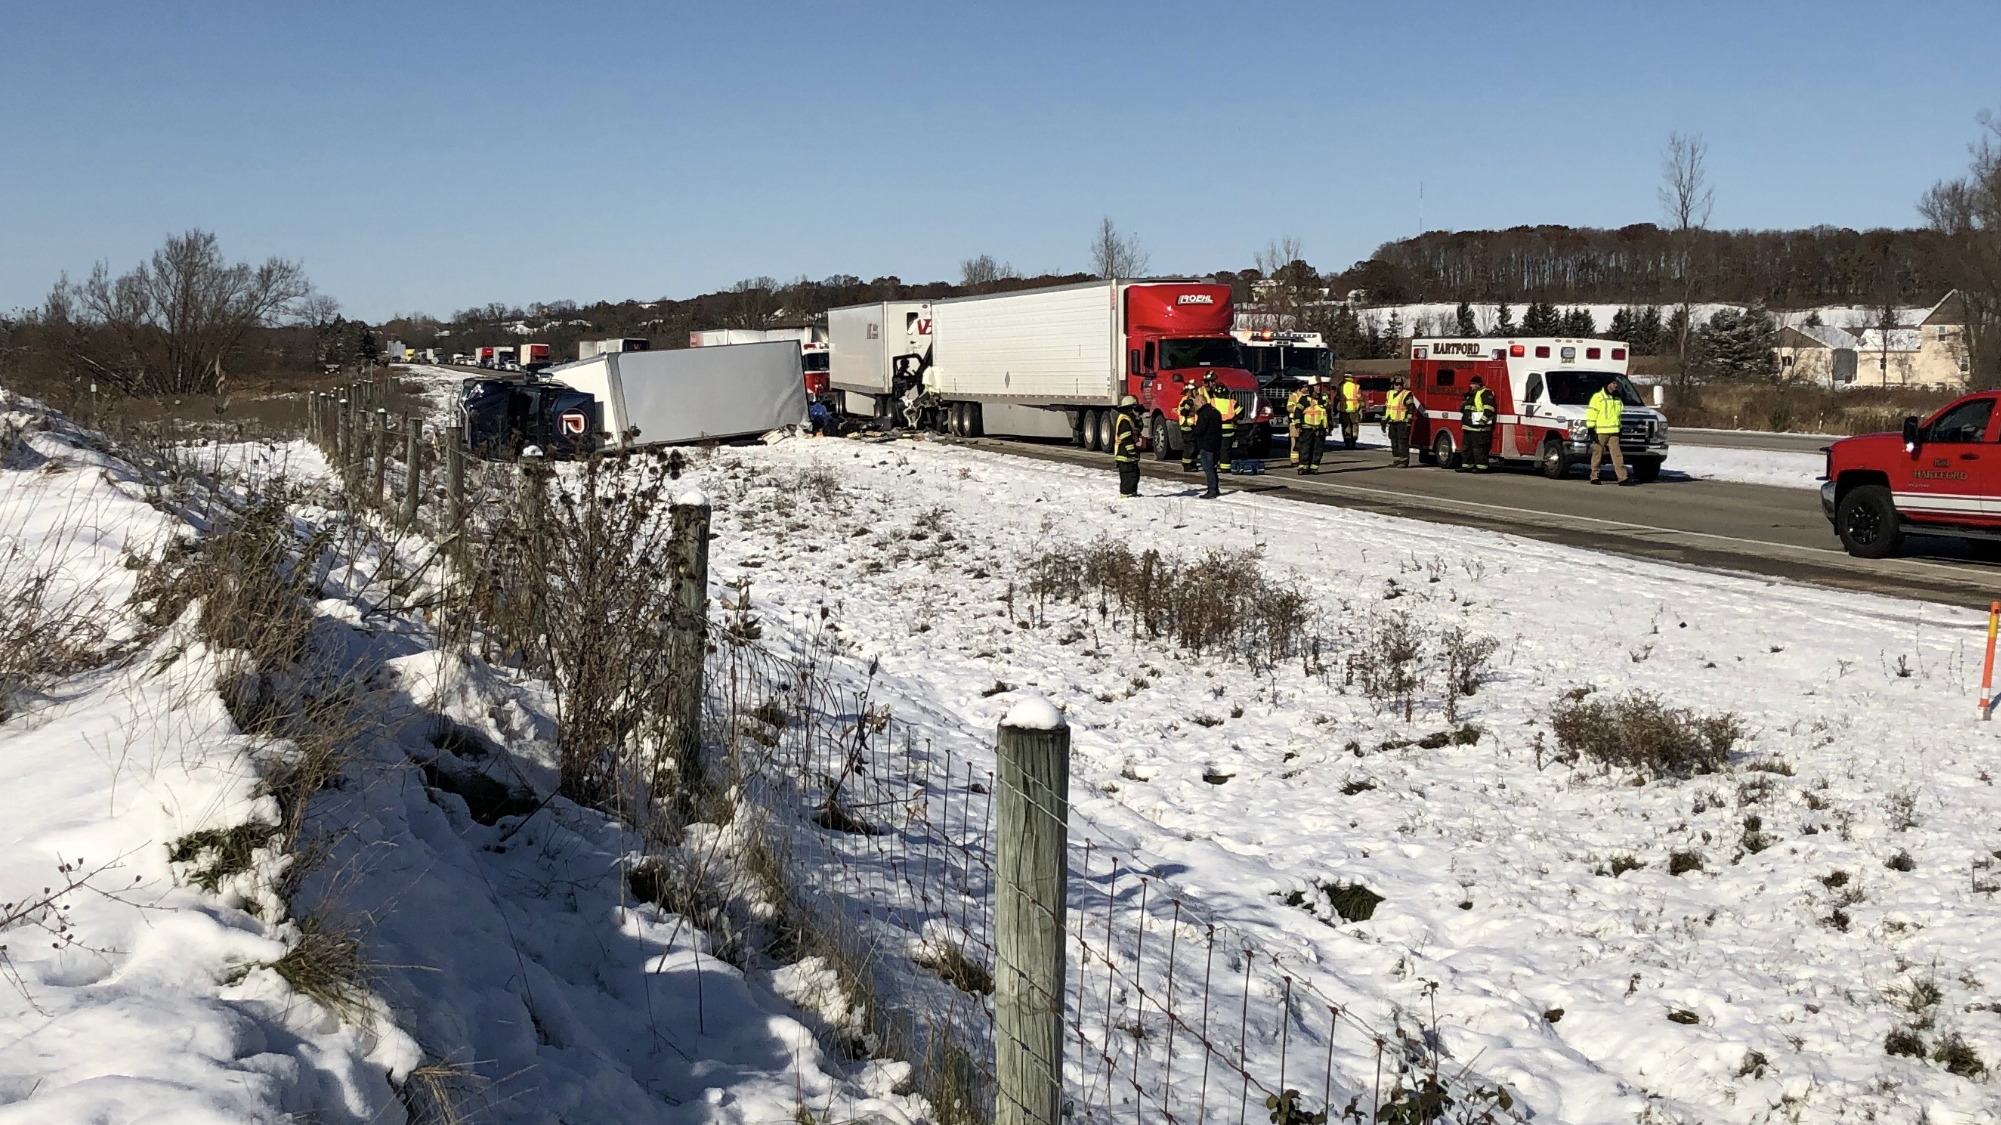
[[1091, 435], [1107, 421], [976, 422], [1161, 450], [1866, 521], [1646, 470], [1552, 460], [1442, 453], [1260, 441]]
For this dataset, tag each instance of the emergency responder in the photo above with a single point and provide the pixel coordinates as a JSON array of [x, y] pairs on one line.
[[1207, 441], [1397, 407], [1292, 406], [1312, 429], [1351, 411], [1476, 421], [1125, 445], [1184, 414], [1226, 408], [1602, 417]]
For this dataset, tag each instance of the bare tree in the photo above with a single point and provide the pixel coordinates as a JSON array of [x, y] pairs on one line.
[[751, 303], [982, 273], [1287, 281], [1117, 255], [1687, 198], [1967, 211], [169, 326]]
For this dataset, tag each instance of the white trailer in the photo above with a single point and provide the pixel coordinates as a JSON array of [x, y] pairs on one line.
[[691, 394], [588, 348], [718, 337], [1016, 353], [879, 351]]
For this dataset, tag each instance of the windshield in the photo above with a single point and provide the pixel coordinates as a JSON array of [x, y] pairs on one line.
[[1575, 388], [1215, 351], [1305, 361], [814, 361]]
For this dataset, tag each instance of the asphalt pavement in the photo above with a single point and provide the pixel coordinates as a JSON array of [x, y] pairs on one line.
[[1757, 529]]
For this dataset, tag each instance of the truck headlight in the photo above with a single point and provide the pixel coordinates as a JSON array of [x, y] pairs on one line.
[[1579, 430]]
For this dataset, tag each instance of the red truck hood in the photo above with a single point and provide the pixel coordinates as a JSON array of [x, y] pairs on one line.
[[1868, 449]]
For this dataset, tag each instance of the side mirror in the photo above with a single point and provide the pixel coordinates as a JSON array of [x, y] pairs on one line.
[[1910, 433]]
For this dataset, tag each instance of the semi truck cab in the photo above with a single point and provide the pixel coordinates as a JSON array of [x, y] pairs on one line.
[[1180, 332]]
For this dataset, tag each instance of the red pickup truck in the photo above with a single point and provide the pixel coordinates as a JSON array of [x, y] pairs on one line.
[[1941, 476]]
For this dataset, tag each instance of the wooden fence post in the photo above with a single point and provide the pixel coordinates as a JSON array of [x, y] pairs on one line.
[[688, 634], [1032, 862], [413, 469], [455, 482], [343, 435], [378, 430]]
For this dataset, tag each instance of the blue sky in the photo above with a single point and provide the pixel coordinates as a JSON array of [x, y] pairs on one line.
[[430, 156]]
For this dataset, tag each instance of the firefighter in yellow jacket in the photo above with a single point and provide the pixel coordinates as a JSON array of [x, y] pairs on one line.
[[1351, 411], [1125, 446], [1292, 407], [1184, 415], [1397, 408], [1312, 416]]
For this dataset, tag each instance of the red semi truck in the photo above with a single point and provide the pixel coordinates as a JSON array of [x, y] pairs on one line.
[[1055, 362], [1941, 476]]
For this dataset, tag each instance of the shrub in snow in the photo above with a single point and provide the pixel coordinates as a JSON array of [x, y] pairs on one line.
[[1638, 731]]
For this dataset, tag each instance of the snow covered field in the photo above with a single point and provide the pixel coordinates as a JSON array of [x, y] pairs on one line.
[[1847, 859], [498, 969]]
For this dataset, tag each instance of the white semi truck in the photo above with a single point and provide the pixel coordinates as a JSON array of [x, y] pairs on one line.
[[879, 354]]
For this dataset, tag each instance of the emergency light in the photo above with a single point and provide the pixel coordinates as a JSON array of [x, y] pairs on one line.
[[1591, 353], [1618, 353], [1542, 352], [1518, 351]]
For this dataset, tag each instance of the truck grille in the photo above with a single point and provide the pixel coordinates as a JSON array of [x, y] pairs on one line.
[[1247, 404], [1635, 430]]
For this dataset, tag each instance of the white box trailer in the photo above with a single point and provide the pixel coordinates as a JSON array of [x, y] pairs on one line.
[[1017, 354], [720, 337], [691, 394], [588, 348], [878, 350]]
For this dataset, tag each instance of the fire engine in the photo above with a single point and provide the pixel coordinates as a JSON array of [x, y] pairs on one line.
[[1938, 477], [1541, 388], [1275, 355]]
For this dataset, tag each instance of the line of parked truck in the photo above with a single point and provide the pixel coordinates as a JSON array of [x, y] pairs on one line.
[[1042, 363]]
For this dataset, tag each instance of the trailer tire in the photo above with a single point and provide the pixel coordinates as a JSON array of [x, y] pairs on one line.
[[976, 423], [1866, 520], [1162, 451], [1552, 460], [1442, 452], [1091, 432]]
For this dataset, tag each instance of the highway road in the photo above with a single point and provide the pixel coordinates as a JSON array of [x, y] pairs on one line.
[[1757, 529]]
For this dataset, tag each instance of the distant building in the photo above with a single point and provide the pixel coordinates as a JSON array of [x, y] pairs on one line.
[[1928, 353]]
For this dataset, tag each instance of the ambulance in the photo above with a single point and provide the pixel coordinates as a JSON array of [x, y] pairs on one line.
[[1541, 389]]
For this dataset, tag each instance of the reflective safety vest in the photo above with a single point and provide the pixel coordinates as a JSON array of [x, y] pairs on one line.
[[1185, 413], [1125, 438], [1604, 413], [1296, 402], [1396, 407], [1313, 414], [1477, 412], [1351, 397], [1227, 407]]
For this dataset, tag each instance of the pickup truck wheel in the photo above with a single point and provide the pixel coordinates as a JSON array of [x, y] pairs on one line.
[[1552, 460], [1162, 451], [1866, 521], [1442, 452], [1646, 470]]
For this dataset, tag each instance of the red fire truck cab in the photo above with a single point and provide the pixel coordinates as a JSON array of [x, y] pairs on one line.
[[1541, 390], [1941, 476]]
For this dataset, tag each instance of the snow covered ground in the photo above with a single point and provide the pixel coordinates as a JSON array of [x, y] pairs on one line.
[[1847, 858], [504, 969], [1745, 466]]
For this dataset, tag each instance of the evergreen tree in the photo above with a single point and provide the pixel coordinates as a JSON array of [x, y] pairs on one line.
[[1622, 325], [1504, 321], [1738, 344], [1649, 334], [1468, 326], [1677, 323], [1541, 320], [1390, 345], [1344, 335], [1813, 319], [1580, 323]]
